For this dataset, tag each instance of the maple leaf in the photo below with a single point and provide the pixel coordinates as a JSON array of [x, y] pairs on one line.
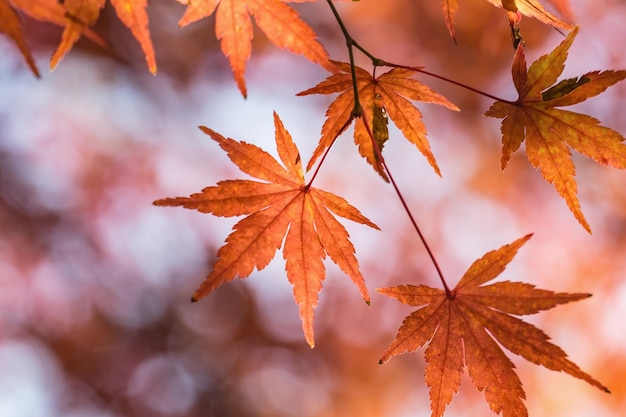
[[133, 14], [76, 16], [385, 95], [462, 328], [531, 8], [84, 13], [550, 132], [10, 25], [280, 23], [283, 205]]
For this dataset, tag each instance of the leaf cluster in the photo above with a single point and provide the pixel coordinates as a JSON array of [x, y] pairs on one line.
[[463, 327]]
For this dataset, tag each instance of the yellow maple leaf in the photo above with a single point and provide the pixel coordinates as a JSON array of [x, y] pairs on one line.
[[550, 132]]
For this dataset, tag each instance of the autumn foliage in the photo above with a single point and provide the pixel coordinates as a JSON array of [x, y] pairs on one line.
[[550, 132], [284, 205], [382, 97], [464, 327]]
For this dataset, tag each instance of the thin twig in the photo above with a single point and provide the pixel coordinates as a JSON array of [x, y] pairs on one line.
[[321, 162], [379, 155], [448, 80], [357, 111]]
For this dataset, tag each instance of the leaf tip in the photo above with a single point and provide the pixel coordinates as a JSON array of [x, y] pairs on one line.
[[160, 202], [150, 59], [214, 135], [241, 84], [521, 241]]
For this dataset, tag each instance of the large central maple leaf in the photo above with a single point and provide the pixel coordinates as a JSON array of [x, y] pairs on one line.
[[280, 23], [550, 132], [462, 327], [284, 205]]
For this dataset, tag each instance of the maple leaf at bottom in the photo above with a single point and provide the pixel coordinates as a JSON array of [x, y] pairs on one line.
[[282, 205], [462, 328]]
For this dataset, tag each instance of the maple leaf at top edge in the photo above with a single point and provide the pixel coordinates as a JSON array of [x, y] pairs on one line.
[[79, 15], [551, 133], [463, 328], [387, 95], [530, 8], [134, 15], [75, 16], [11, 26], [281, 24], [534, 8], [281, 211]]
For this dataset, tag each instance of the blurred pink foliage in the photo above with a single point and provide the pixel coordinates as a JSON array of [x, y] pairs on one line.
[[95, 318]]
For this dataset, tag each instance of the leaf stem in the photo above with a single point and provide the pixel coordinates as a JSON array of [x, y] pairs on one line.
[[357, 111], [379, 155], [448, 80], [377, 62], [319, 165]]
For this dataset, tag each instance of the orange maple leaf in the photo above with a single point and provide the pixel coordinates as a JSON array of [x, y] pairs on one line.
[[462, 329], [284, 205], [133, 14], [531, 8], [76, 16], [385, 95], [10, 25], [280, 23], [550, 132], [80, 14]]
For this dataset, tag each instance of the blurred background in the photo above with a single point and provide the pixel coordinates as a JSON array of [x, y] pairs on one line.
[[95, 282]]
